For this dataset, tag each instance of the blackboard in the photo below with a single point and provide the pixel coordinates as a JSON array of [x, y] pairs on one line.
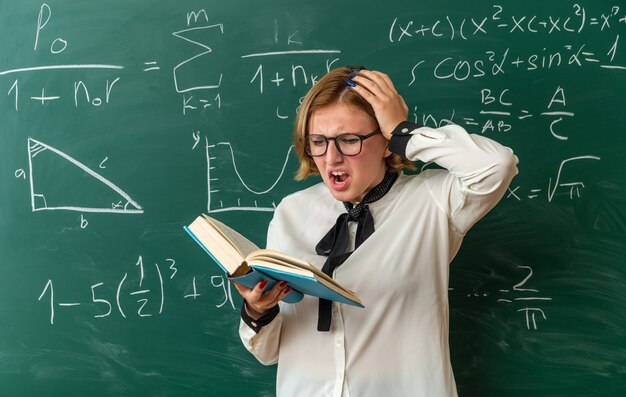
[[121, 121]]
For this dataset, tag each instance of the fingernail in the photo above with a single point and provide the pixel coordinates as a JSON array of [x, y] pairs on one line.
[[351, 75], [350, 83], [263, 284], [282, 284], [287, 290], [356, 70]]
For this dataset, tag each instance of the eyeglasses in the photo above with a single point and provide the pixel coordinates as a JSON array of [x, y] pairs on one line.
[[346, 144]]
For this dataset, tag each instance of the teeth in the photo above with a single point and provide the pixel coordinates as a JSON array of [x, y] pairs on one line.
[[337, 177]]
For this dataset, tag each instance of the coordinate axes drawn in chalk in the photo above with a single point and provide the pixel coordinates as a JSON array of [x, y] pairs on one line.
[[211, 180], [123, 203]]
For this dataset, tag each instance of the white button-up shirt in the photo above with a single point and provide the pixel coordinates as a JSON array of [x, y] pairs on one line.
[[398, 344]]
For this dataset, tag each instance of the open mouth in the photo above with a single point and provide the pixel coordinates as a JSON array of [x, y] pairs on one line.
[[338, 177]]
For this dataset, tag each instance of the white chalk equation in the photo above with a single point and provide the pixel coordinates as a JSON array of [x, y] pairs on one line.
[[576, 19], [73, 184], [563, 50], [198, 78], [527, 299], [287, 59], [499, 111], [499, 62], [227, 187], [499, 114], [268, 74], [568, 187], [142, 292], [79, 91], [529, 302]]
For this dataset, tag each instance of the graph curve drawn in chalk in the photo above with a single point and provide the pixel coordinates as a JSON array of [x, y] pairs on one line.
[[245, 185]]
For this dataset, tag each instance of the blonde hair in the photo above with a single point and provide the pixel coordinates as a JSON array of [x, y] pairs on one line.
[[329, 90]]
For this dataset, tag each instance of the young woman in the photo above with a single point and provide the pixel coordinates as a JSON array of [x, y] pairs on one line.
[[387, 236]]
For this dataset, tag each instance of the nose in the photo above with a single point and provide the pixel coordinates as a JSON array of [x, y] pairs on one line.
[[332, 155]]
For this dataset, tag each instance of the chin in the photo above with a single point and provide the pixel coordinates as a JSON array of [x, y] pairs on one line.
[[344, 195]]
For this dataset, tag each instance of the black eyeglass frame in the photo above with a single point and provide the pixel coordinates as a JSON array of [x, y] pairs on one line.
[[326, 139]]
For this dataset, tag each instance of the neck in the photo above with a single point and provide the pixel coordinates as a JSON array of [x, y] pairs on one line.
[[369, 189], [382, 187]]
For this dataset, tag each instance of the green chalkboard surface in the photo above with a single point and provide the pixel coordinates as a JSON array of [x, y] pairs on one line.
[[121, 121]]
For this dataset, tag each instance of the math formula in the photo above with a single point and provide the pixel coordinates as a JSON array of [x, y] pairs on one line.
[[512, 76], [142, 291]]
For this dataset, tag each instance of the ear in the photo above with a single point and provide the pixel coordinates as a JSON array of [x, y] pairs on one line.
[[387, 151]]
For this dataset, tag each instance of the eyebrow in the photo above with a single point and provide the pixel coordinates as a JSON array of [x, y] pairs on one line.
[[361, 133]]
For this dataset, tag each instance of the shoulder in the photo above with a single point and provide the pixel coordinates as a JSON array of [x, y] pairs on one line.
[[302, 218], [425, 179], [429, 186], [412, 190], [310, 204], [318, 191]]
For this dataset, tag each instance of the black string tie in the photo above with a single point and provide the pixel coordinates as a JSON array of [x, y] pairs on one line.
[[335, 242]]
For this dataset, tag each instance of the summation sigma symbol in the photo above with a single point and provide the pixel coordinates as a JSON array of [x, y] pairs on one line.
[[186, 35], [199, 83]]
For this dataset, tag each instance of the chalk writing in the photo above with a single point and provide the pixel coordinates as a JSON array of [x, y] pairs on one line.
[[130, 297], [519, 296], [499, 115], [206, 50], [43, 95], [499, 62], [574, 21], [41, 155], [213, 180], [292, 63], [59, 44], [571, 188]]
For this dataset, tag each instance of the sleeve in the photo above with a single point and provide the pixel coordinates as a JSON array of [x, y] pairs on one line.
[[261, 322], [479, 169], [264, 343], [262, 337]]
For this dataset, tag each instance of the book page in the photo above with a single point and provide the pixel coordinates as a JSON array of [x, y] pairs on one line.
[[332, 284], [216, 245], [263, 258], [279, 257], [283, 262], [271, 263], [239, 242], [307, 284]]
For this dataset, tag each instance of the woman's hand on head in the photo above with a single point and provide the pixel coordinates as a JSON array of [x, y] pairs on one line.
[[378, 89], [259, 303]]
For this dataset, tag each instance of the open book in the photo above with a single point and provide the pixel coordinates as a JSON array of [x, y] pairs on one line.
[[248, 265]]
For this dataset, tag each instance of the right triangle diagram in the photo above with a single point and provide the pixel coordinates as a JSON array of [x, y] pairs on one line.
[[60, 182]]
